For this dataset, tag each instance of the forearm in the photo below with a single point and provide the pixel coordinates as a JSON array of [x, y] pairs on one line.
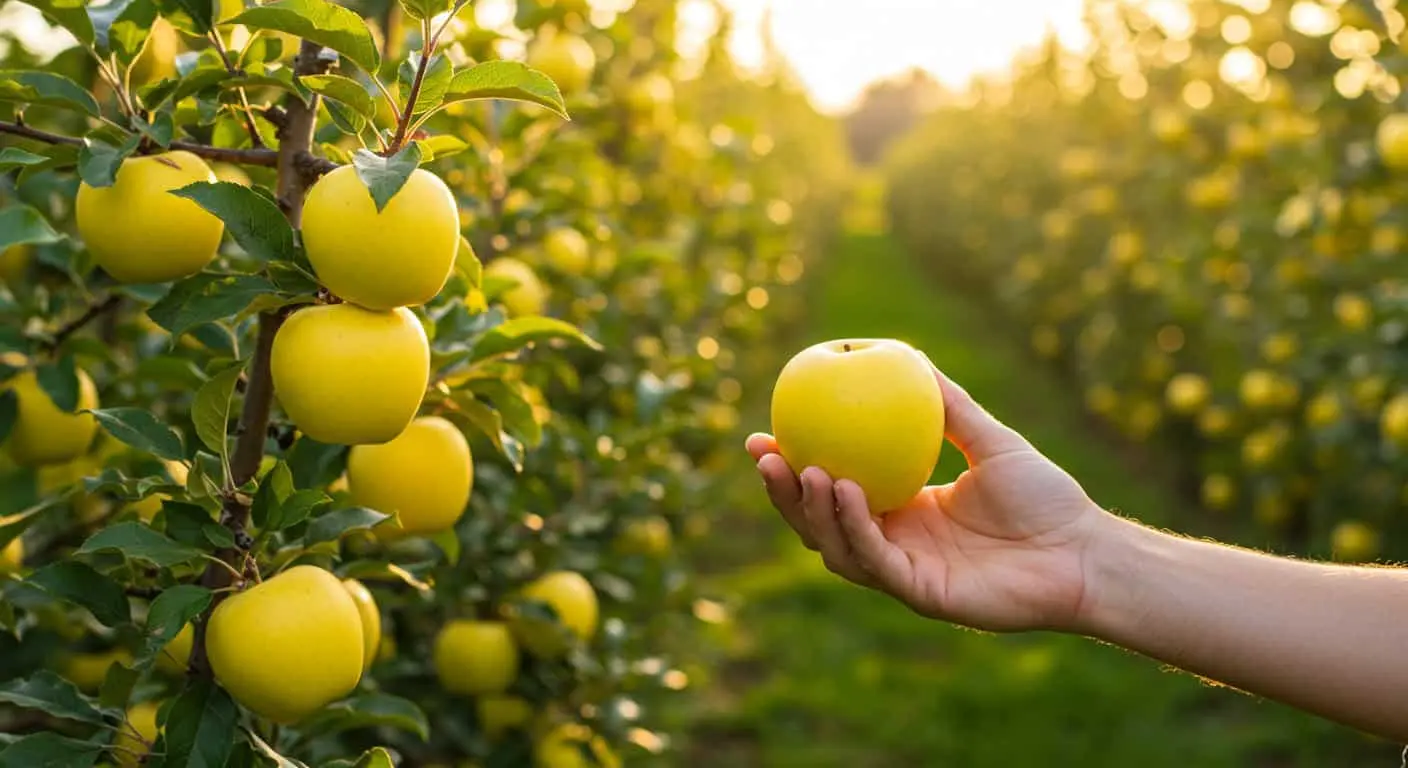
[[1328, 639]]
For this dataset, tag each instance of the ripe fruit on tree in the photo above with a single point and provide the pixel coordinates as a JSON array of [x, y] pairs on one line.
[[1354, 541], [476, 657], [424, 476], [567, 250], [562, 748], [866, 410], [1188, 393], [399, 257], [566, 58], [371, 619], [1218, 492], [13, 263], [177, 654], [1392, 141], [140, 234], [572, 599], [500, 714], [231, 173], [42, 434], [350, 376], [142, 718], [12, 556], [88, 670], [528, 296], [649, 536], [1394, 420], [289, 646]]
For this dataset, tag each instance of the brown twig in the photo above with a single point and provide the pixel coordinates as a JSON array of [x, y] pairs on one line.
[[92, 313], [264, 158], [295, 138]]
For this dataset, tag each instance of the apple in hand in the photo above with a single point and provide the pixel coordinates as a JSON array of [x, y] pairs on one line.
[[866, 410]]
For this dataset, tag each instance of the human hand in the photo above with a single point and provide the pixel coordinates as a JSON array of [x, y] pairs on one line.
[[1002, 548]]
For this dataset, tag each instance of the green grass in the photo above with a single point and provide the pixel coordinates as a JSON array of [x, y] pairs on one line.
[[819, 673]]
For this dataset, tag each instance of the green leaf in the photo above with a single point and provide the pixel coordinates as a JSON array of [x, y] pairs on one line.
[[210, 411], [384, 176], [194, 17], [440, 146], [200, 726], [314, 464], [344, 90], [59, 156], [186, 522], [425, 9], [172, 610], [253, 220], [324, 23], [141, 430], [79, 583], [486, 421], [371, 570], [468, 264], [59, 380], [98, 161], [506, 80], [53, 695], [296, 508], [276, 486], [138, 542], [14, 157], [123, 28], [517, 413], [21, 224], [519, 332], [47, 749], [161, 129], [433, 84], [69, 15], [28, 86], [369, 711], [267, 751], [117, 685], [334, 525], [205, 298]]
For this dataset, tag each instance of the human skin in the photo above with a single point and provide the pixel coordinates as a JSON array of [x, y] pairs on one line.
[[1015, 544]]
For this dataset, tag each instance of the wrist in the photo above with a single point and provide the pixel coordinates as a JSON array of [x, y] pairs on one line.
[[1119, 559]]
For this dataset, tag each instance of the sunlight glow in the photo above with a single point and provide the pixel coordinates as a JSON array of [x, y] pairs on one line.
[[838, 48]]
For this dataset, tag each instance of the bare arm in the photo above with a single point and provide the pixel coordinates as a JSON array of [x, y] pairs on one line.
[[1016, 544], [1329, 639]]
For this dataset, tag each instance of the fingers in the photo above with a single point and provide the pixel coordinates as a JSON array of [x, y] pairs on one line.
[[785, 493], [871, 551], [975, 431], [819, 504], [760, 445]]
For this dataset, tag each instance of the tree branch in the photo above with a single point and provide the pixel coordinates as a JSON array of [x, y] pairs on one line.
[[295, 138], [264, 158], [72, 327]]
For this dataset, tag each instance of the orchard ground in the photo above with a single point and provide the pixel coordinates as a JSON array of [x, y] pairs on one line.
[[812, 671]]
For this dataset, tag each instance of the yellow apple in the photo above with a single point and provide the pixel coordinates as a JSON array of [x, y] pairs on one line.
[[474, 658], [142, 718], [562, 748], [650, 93], [572, 598], [289, 646], [88, 670], [424, 476], [399, 257], [1187, 393], [140, 234], [231, 173], [12, 556], [158, 57], [1354, 541], [371, 620], [500, 714], [350, 376], [649, 536], [43, 434], [1392, 141], [866, 410], [1393, 422], [566, 58], [567, 250], [14, 262], [528, 296], [175, 657]]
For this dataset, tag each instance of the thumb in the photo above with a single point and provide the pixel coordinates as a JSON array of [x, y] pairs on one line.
[[976, 432]]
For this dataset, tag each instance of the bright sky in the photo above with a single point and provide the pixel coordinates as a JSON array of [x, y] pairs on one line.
[[839, 46]]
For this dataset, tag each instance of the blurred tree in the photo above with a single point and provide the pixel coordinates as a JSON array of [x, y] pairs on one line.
[[887, 110]]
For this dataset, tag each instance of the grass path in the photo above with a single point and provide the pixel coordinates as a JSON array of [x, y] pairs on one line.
[[819, 673]]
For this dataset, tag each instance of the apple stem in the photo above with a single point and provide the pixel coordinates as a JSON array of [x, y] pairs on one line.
[[295, 139], [845, 347]]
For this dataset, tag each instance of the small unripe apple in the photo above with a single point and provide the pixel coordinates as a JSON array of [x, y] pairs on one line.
[[866, 410]]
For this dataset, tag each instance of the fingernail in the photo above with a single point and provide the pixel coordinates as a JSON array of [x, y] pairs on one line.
[[806, 488]]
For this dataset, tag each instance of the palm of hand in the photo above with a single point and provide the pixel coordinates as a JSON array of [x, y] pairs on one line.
[[979, 554]]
